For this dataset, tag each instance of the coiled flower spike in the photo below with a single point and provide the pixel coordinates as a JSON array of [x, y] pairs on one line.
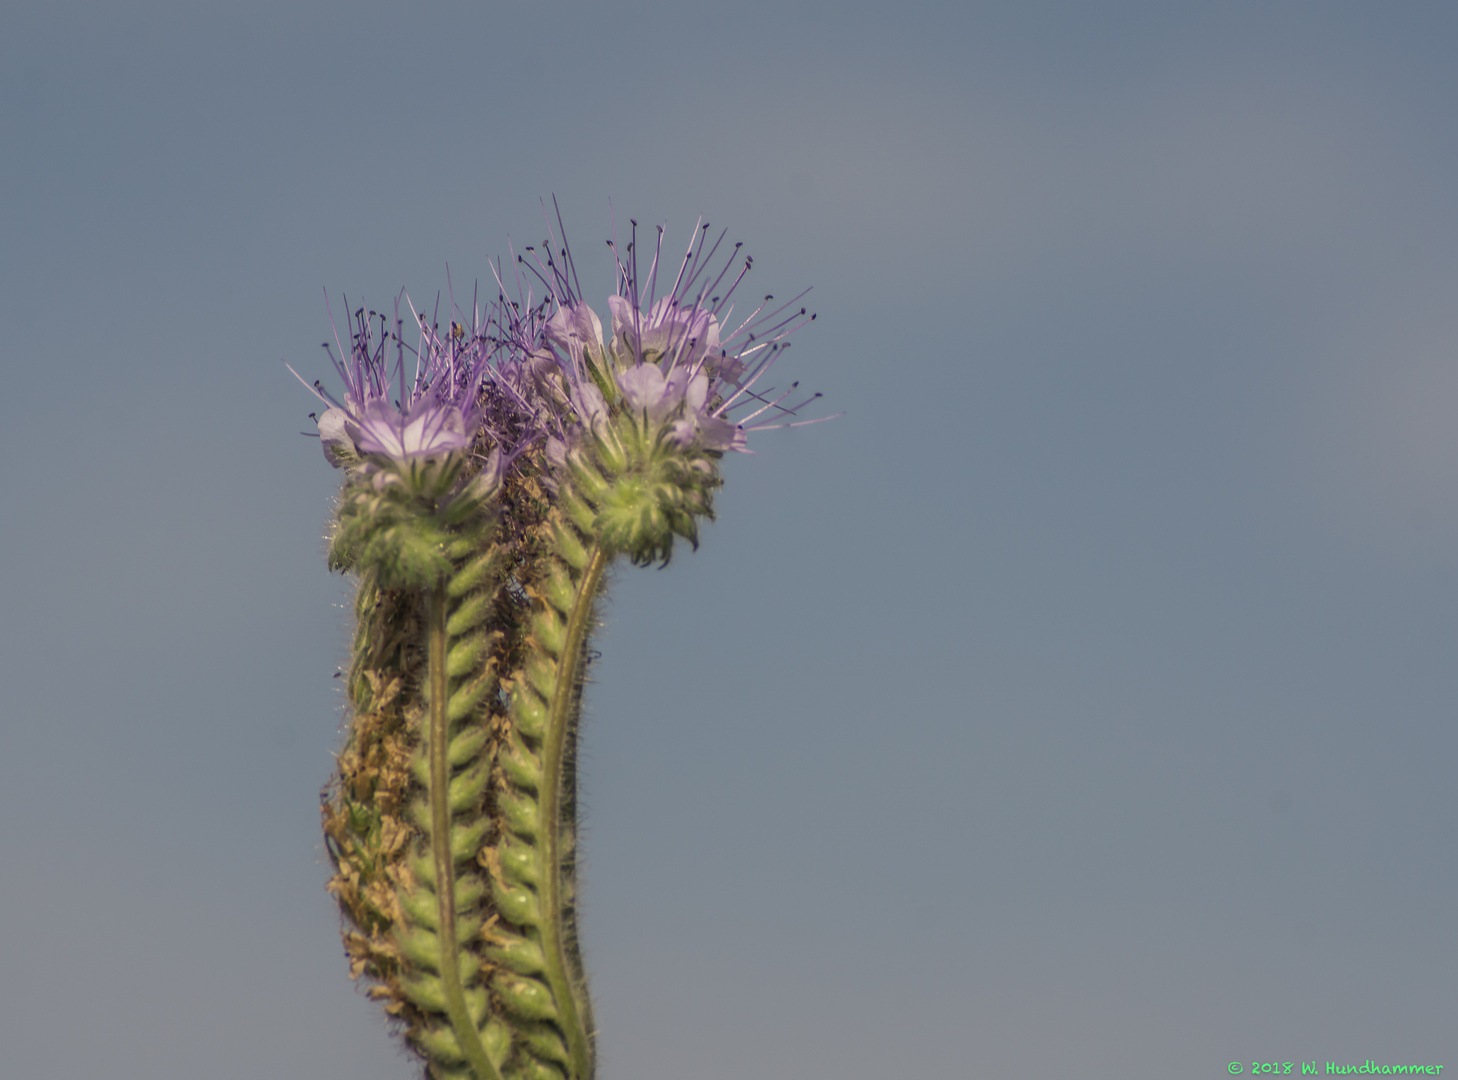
[[481, 510], [646, 414]]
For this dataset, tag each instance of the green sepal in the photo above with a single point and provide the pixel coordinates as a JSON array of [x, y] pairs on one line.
[[439, 1044], [476, 573], [424, 991], [526, 997], [420, 768], [420, 908], [496, 1040], [465, 655], [466, 839], [518, 954], [465, 700], [544, 1041], [550, 631], [529, 711], [590, 482], [422, 947], [516, 905], [420, 905], [611, 450], [467, 745], [534, 1069], [466, 789], [469, 614], [460, 511], [470, 888], [460, 548], [578, 512], [559, 589], [521, 765], [477, 1005], [569, 547], [541, 673], [520, 811], [518, 862], [597, 369]]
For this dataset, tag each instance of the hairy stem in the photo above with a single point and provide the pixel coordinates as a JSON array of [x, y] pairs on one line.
[[560, 722], [467, 1037]]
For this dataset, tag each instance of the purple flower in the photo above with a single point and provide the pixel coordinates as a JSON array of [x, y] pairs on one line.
[[429, 428], [437, 412], [334, 435], [672, 358], [665, 333], [682, 401], [646, 391], [540, 367], [575, 329]]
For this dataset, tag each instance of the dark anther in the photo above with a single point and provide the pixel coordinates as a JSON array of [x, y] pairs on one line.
[[769, 296]]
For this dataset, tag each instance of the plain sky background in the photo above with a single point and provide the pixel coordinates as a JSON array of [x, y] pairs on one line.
[[1081, 704]]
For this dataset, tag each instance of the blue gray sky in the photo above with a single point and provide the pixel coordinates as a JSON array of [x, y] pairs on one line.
[[1080, 704]]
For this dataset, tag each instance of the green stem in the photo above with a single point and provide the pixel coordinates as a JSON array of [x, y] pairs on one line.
[[559, 722], [467, 1037]]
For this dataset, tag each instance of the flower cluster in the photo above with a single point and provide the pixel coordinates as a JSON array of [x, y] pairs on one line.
[[486, 493], [671, 360], [672, 385], [435, 413]]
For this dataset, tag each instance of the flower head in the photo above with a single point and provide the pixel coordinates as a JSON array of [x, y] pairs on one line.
[[645, 395], [436, 412], [637, 419], [673, 360]]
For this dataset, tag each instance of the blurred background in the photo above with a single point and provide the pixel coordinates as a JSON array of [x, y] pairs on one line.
[[1080, 704]]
